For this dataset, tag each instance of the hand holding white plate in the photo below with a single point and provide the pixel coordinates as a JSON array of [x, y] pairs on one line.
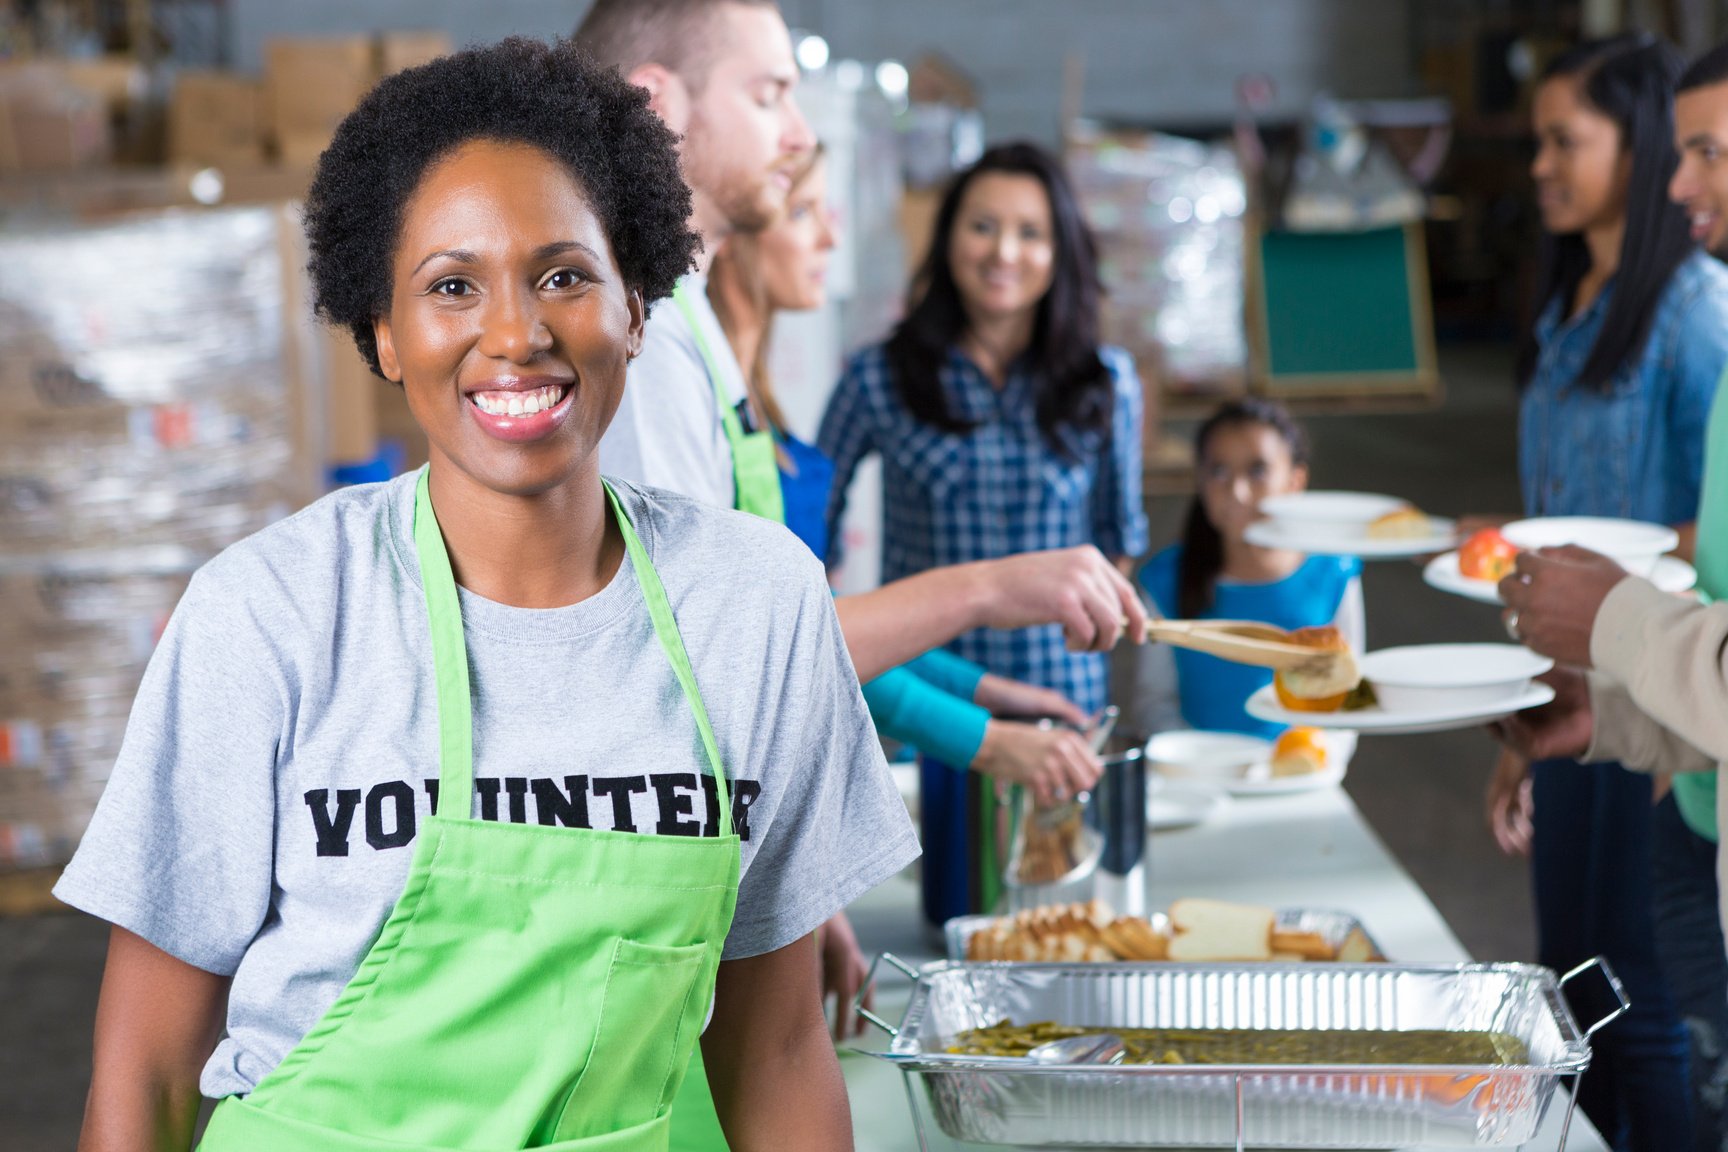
[[1633, 544], [1671, 574]]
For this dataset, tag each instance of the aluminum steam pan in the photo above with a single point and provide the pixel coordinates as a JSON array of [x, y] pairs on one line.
[[1331, 926], [1004, 1101]]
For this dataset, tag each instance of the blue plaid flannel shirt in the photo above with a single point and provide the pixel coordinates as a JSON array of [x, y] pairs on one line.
[[999, 490]]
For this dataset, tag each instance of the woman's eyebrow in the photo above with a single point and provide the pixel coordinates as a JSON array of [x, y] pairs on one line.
[[560, 247], [460, 255], [544, 252]]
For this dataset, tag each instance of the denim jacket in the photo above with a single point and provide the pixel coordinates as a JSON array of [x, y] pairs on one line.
[[1636, 449]]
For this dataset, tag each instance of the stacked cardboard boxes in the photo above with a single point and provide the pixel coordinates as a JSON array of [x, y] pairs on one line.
[[309, 85], [1169, 217], [149, 416]]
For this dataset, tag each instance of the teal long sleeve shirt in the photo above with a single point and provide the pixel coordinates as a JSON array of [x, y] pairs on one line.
[[927, 703]]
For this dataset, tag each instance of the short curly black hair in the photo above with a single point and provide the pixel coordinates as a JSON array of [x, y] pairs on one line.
[[550, 96]]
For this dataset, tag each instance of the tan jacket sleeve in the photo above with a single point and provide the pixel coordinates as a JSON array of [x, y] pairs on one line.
[[1669, 654], [1625, 733]]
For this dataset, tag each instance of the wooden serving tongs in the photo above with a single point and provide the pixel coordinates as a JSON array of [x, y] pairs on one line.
[[1312, 672]]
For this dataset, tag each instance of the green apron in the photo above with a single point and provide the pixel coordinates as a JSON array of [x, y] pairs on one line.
[[534, 987], [755, 465]]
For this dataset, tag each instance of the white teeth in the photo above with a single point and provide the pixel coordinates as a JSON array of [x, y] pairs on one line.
[[518, 403]]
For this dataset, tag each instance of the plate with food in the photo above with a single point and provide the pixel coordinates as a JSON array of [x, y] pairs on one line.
[[1415, 689], [1633, 544], [1301, 759], [1475, 570], [1360, 524]]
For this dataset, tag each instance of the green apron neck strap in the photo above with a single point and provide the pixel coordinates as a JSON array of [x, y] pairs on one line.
[[728, 411], [672, 643], [449, 659], [755, 460], [450, 656]]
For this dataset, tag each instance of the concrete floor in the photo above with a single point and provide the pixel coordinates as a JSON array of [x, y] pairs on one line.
[[1424, 796]]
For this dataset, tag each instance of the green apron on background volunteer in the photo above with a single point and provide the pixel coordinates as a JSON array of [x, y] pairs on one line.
[[534, 987], [755, 467]]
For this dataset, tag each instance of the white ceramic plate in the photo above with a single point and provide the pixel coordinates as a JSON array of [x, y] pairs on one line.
[[1263, 705], [1636, 545], [1291, 536], [1172, 804], [1237, 764], [1672, 575], [1442, 677], [1213, 757], [1344, 514], [1261, 782]]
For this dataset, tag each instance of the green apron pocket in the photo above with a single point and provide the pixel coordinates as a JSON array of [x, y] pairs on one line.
[[649, 1018]]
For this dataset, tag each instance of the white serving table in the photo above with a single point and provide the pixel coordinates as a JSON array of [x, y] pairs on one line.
[[1310, 850]]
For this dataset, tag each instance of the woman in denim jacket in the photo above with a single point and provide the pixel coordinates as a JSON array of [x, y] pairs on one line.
[[1616, 378]]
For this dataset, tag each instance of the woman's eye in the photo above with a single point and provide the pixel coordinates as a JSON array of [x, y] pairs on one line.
[[1258, 472], [1031, 234], [452, 287], [564, 279]]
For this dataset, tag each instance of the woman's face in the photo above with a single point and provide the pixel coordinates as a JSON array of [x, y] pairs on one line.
[[1242, 465], [509, 325], [794, 250], [1581, 170], [1003, 250]]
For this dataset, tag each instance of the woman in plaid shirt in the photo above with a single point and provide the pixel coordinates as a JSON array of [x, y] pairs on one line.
[[1003, 424]]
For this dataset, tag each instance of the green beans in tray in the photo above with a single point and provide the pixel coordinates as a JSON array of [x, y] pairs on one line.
[[1323, 1047]]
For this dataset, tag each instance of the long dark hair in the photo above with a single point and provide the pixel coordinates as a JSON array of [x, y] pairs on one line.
[[1072, 386], [1202, 546], [1629, 79]]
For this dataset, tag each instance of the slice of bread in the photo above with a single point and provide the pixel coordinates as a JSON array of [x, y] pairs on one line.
[[1401, 524], [1306, 945], [1214, 930]]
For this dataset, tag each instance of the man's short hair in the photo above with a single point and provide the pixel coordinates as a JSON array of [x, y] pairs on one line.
[[626, 34], [1710, 68]]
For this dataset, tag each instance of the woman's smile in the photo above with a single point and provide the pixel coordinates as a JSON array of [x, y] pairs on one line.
[[520, 409]]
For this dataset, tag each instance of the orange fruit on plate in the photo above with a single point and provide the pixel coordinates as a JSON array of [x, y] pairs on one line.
[[1299, 751], [1487, 555]]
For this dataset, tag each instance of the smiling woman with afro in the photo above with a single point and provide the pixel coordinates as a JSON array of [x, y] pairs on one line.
[[452, 807]]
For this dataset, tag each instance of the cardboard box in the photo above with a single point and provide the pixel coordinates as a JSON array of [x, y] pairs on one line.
[[216, 118], [50, 125], [349, 406], [311, 85], [399, 50]]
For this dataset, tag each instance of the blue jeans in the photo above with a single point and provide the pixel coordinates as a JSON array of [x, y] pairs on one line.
[[1594, 896], [1689, 944]]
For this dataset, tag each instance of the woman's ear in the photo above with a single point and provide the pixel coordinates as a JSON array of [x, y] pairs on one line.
[[387, 361], [638, 323]]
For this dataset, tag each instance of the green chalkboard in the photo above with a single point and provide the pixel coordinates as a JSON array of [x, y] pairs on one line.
[[1344, 312]]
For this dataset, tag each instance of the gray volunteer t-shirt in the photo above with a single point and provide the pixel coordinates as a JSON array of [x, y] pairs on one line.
[[260, 818]]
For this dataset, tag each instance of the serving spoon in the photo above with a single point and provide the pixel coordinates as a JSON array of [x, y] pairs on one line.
[[1090, 1048]]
